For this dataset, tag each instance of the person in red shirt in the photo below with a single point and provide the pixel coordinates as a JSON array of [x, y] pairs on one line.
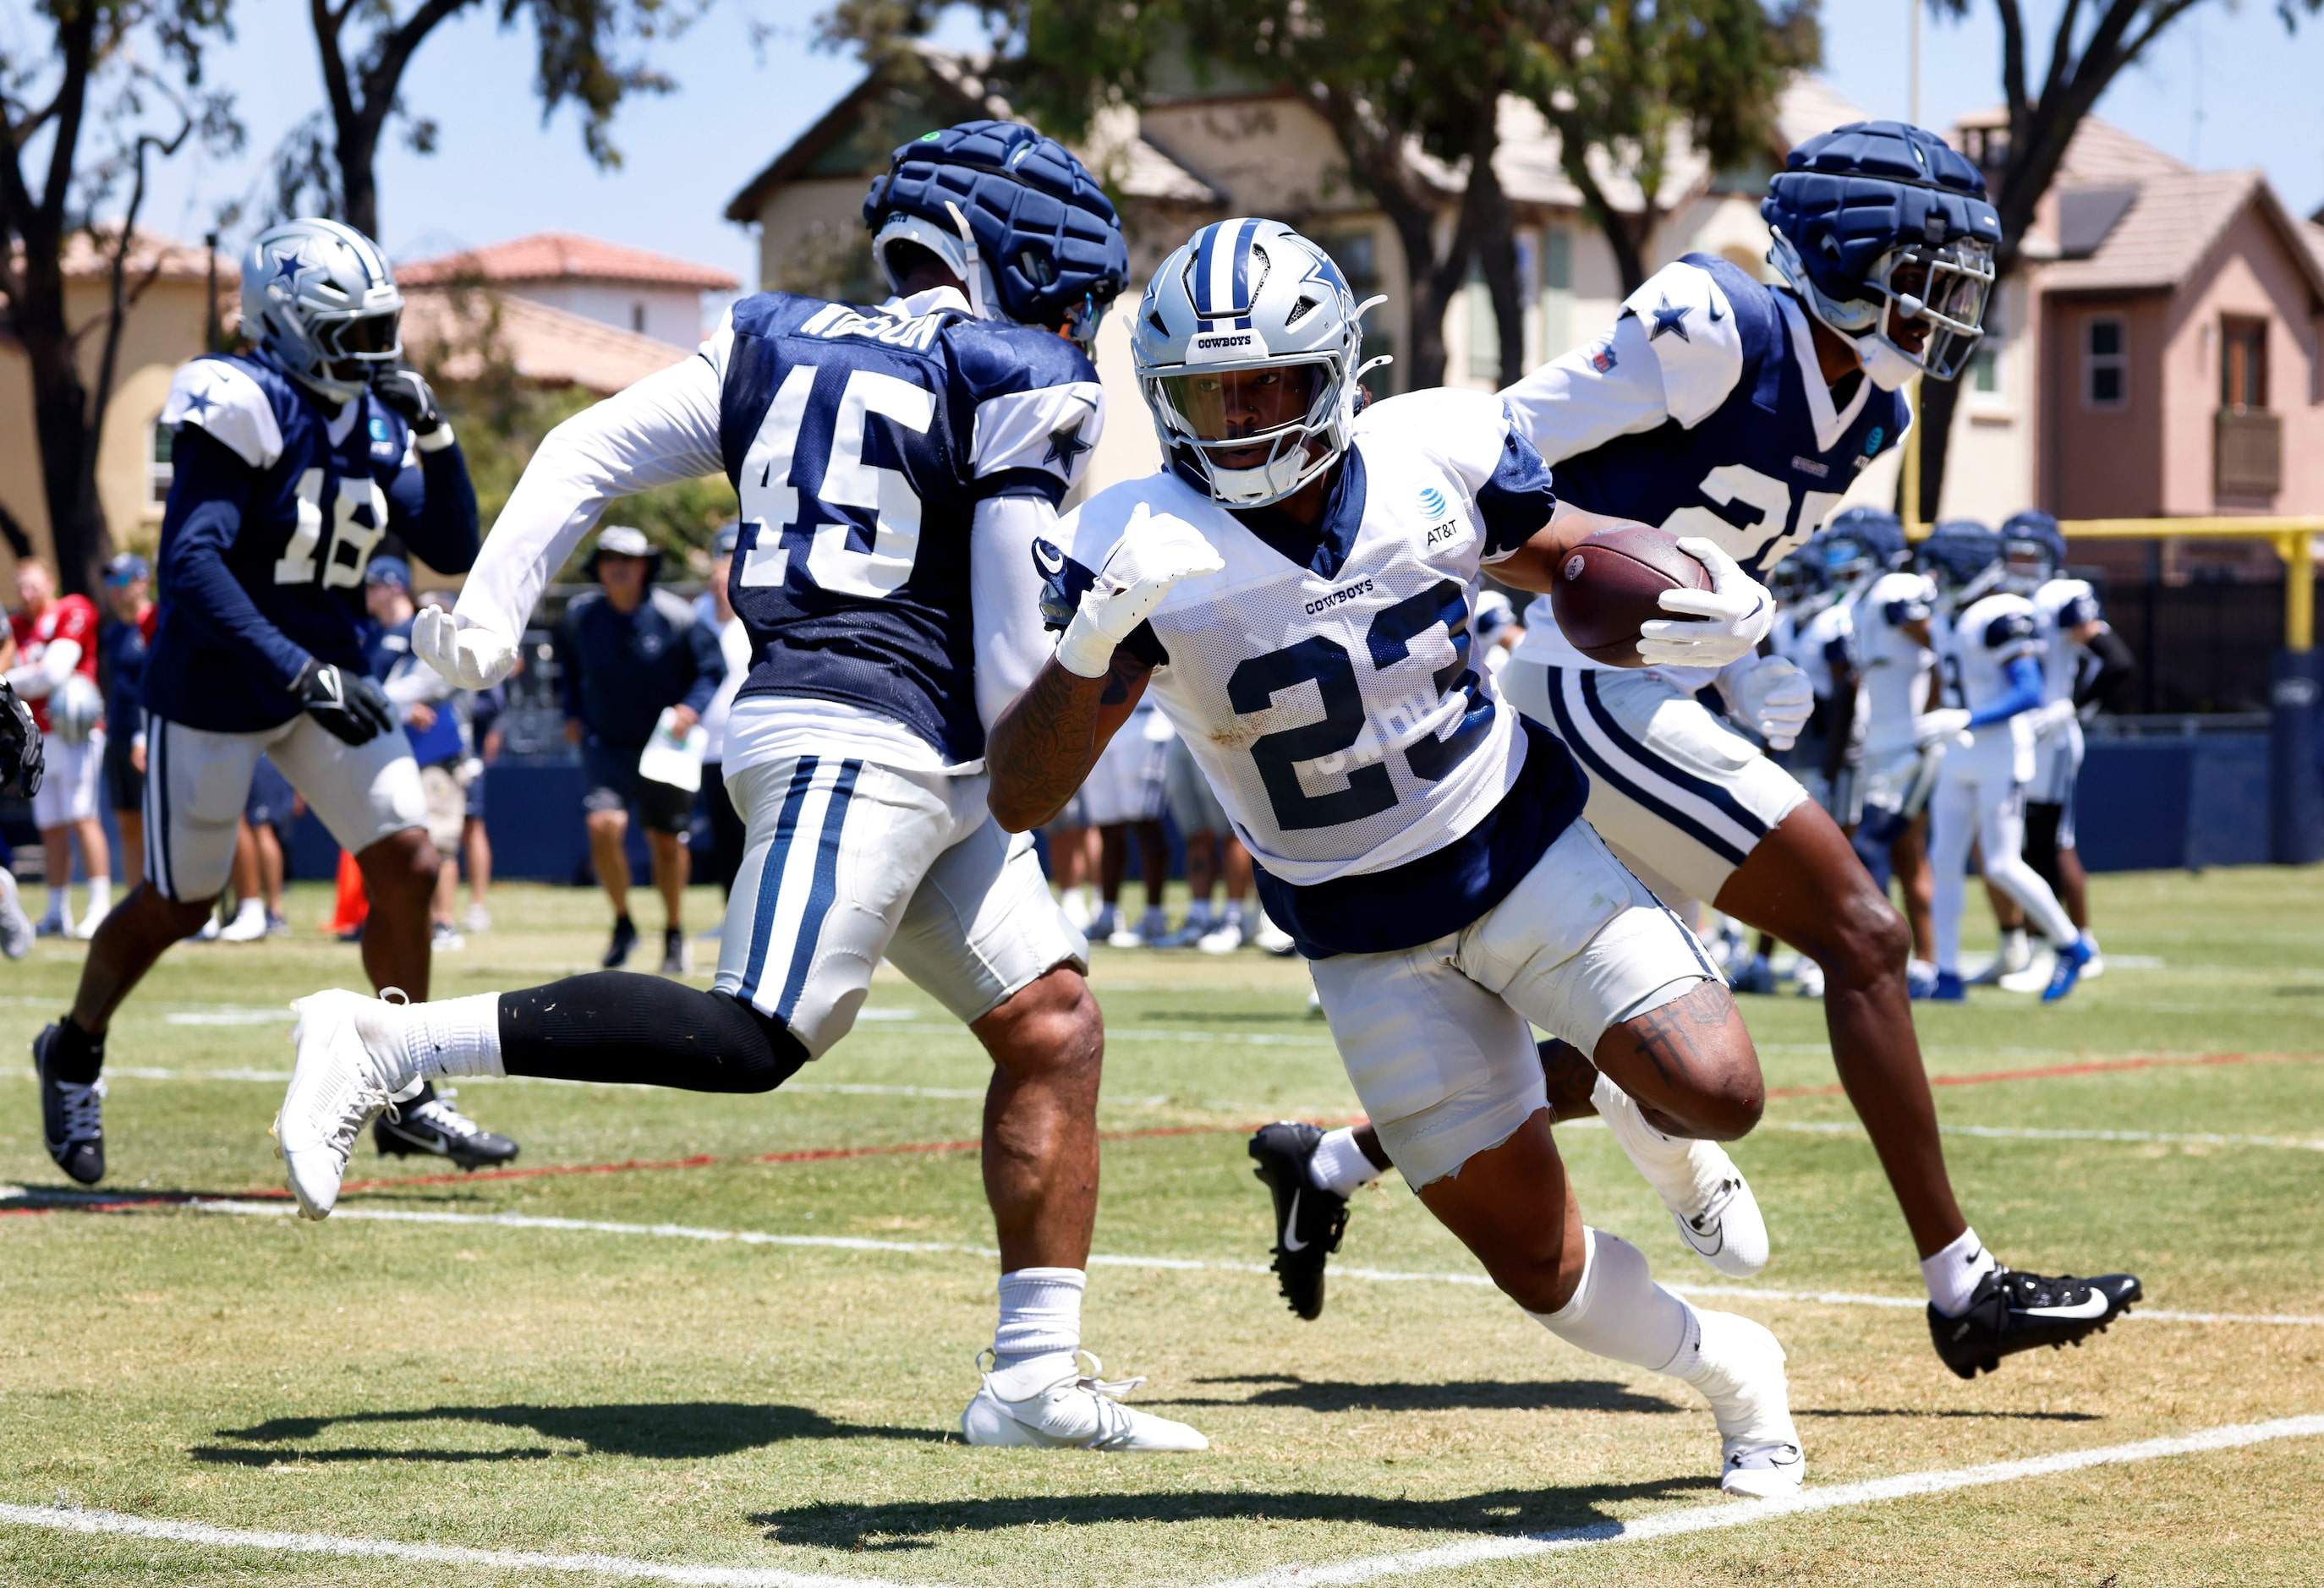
[[56, 644]]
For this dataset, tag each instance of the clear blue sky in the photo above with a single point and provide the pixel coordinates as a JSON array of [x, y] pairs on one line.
[[2226, 88]]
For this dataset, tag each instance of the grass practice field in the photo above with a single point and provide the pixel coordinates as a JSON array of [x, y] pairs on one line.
[[728, 1340]]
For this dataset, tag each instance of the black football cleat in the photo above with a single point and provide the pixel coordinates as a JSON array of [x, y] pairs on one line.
[[2009, 1312], [625, 938], [431, 1127], [1308, 1222], [73, 1117]]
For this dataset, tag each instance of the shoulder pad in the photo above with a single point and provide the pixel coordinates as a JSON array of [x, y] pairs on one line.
[[221, 396], [1463, 429], [993, 358], [2008, 628], [1695, 333]]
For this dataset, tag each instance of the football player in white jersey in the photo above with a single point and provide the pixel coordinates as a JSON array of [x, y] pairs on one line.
[[1724, 408], [893, 464], [1295, 590], [1897, 660], [1994, 715], [2084, 661]]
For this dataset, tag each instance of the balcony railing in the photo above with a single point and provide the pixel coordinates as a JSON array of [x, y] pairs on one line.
[[2248, 453]]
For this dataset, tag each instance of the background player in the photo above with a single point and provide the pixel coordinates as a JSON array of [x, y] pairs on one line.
[[55, 674], [1895, 652], [19, 778], [1420, 843], [895, 466], [1993, 663], [121, 644], [292, 461], [1722, 408]]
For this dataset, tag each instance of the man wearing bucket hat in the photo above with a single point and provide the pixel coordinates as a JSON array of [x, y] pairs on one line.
[[626, 653]]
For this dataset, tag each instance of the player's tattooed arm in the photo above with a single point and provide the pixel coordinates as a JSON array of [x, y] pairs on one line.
[[1046, 741], [1533, 566]]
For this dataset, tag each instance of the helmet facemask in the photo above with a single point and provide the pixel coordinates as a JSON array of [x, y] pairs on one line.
[[1929, 314], [1247, 431], [2026, 565]]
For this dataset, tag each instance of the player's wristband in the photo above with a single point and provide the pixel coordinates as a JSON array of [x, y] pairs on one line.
[[1084, 650], [437, 440]]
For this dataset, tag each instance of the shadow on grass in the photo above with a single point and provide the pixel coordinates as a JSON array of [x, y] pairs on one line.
[[1915, 1411], [1330, 1396], [910, 1525], [664, 1431]]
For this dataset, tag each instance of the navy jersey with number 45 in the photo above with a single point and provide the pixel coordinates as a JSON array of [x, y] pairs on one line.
[[860, 442], [275, 506]]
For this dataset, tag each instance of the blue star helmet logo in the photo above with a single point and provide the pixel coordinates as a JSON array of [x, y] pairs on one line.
[[1667, 319], [1432, 502], [1066, 445], [288, 269], [1324, 273]]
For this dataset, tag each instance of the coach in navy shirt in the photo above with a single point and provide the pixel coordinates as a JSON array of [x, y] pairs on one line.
[[627, 653]]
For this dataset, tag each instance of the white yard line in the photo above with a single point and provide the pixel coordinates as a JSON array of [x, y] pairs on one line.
[[512, 1221], [1702, 1518]]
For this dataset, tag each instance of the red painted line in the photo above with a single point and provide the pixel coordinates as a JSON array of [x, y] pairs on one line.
[[832, 1154], [2089, 1067]]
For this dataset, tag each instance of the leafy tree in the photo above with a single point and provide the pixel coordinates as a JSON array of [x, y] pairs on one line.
[[113, 85], [2093, 42], [1623, 80], [328, 166]]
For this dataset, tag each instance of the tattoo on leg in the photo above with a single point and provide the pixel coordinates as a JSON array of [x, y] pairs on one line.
[[1672, 1036]]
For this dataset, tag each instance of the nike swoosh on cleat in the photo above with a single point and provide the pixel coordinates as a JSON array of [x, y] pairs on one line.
[[2094, 1308], [1291, 1242]]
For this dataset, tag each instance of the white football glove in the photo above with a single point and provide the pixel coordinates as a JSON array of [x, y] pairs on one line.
[[2048, 719], [1716, 626], [1156, 551], [1948, 724], [1772, 696], [473, 657]]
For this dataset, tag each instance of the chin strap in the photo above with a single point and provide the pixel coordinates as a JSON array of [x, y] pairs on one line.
[[975, 272]]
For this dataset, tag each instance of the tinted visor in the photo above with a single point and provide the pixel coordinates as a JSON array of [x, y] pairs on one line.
[[371, 336], [1236, 404]]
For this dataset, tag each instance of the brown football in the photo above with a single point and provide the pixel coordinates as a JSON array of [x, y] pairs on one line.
[[1613, 582]]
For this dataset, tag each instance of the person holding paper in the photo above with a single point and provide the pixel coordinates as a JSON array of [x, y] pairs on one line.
[[628, 654]]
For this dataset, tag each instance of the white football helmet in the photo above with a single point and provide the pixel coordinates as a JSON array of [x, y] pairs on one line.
[[320, 298], [75, 708], [1244, 296]]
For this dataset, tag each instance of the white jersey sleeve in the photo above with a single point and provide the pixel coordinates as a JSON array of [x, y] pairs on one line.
[[1049, 430], [1689, 327], [1005, 597], [1584, 398], [219, 399], [659, 431]]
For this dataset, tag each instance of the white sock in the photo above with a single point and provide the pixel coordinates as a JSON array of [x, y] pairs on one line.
[[249, 909], [61, 904], [100, 897], [1198, 915], [1619, 1312], [1339, 1166], [2013, 942], [454, 1037], [1232, 916], [1040, 1315], [1951, 1275]]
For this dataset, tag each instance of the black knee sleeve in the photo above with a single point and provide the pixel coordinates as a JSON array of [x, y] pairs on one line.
[[2041, 842], [644, 1031]]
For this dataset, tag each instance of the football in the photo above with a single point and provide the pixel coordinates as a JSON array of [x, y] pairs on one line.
[[1613, 582]]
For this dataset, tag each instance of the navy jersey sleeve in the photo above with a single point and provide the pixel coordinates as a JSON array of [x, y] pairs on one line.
[[432, 505], [1031, 408], [1516, 499], [211, 488]]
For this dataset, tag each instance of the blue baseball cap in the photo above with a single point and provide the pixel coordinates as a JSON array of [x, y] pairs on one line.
[[389, 570], [126, 569]]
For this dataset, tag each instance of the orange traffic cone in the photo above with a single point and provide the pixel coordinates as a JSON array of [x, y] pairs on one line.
[[354, 905]]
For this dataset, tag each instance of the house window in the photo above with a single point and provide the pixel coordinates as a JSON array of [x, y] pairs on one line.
[[1556, 289], [2243, 364], [638, 318], [1484, 327], [2105, 362], [1985, 363], [159, 471]]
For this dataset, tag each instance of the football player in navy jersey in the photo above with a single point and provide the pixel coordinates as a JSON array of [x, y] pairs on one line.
[[290, 461], [895, 464], [1294, 592], [1722, 408]]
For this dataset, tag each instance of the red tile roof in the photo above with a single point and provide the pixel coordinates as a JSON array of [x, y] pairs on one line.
[[553, 256], [445, 331]]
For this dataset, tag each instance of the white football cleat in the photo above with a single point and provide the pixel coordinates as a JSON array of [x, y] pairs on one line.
[[1049, 1401], [1708, 1199], [350, 1067], [1740, 1372], [1223, 938], [1271, 938], [248, 925]]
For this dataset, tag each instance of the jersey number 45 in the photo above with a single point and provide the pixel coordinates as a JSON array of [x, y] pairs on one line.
[[777, 510]]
